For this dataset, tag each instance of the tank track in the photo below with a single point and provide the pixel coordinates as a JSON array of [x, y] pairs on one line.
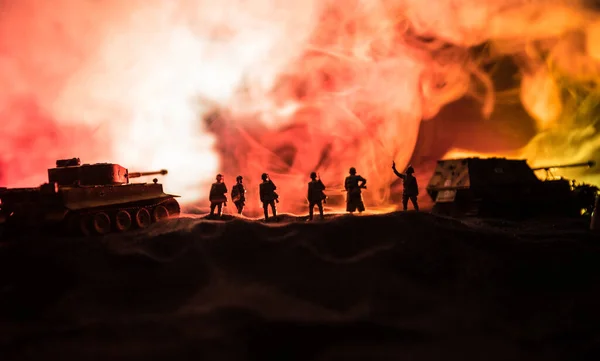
[[80, 222]]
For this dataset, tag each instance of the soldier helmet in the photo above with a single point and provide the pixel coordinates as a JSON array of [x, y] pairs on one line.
[[410, 170], [239, 178], [219, 176], [313, 175], [264, 176], [352, 170]]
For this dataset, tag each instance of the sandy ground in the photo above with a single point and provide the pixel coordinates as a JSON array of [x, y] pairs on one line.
[[400, 286]]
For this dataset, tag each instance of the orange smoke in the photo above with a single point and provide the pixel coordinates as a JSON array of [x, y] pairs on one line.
[[283, 87]]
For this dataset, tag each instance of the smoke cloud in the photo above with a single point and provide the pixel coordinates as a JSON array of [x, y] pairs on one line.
[[276, 86]]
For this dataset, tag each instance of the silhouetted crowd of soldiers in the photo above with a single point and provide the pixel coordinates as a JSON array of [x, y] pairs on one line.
[[353, 185]]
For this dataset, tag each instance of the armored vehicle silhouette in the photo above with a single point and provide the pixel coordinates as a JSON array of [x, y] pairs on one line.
[[506, 188], [88, 199]]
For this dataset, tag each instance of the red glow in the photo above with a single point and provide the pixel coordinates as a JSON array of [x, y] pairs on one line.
[[300, 86]]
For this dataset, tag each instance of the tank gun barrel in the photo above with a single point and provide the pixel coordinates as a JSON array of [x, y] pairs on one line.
[[144, 174], [588, 164]]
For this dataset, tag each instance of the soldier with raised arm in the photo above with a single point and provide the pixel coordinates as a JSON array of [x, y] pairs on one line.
[[218, 196], [411, 188], [238, 194], [353, 184], [315, 195], [268, 196]]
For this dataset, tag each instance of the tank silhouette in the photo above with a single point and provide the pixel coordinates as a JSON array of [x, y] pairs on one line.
[[501, 187], [88, 199]]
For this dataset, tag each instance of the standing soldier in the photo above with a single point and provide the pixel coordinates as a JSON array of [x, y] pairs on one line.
[[268, 196], [217, 196], [315, 195], [238, 194], [411, 188], [353, 185]]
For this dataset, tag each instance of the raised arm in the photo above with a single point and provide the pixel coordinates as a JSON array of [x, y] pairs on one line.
[[274, 186], [398, 174]]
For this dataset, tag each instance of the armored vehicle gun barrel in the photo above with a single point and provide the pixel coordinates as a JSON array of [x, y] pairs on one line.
[[144, 174], [549, 169], [588, 164]]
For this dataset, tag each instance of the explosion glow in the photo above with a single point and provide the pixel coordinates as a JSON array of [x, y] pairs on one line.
[[281, 86]]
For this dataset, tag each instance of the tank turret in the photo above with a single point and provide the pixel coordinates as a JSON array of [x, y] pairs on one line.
[[70, 172], [90, 198], [504, 187]]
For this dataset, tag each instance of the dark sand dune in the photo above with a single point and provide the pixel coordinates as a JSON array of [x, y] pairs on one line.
[[391, 287]]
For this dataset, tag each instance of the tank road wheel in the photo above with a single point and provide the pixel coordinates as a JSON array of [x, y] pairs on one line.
[[85, 221], [173, 207], [123, 221], [101, 223], [143, 218], [160, 213], [78, 225]]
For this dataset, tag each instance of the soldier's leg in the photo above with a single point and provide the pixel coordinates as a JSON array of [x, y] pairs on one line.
[[404, 202], [320, 205], [351, 204], [220, 209], [266, 210], [274, 209], [212, 208], [311, 207], [415, 202], [360, 205]]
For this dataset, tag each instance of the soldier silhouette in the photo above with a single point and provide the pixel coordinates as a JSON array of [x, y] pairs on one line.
[[353, 185], [238, 194], [217, 196], [411, 188], [268, 196], [315, 195]]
